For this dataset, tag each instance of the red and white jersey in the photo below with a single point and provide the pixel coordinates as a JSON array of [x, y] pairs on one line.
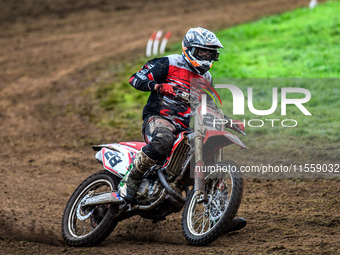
[[174, 70]]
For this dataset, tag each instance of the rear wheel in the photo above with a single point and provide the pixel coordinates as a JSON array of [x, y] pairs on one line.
[[90, 226], [203, 223]]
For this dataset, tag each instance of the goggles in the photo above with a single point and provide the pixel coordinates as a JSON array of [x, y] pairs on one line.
[[205, 54]]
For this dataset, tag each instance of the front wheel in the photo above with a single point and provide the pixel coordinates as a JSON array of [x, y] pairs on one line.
[[204, 222], [90, 226]]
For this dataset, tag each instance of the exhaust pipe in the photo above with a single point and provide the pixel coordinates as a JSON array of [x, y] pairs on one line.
[[168, 188]]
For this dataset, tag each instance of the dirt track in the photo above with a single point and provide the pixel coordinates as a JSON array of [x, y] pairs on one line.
[[48, 59]]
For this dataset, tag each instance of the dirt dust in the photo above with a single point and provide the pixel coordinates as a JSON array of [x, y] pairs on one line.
[[50, 52]]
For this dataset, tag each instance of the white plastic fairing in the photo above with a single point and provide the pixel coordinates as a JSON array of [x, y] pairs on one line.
[[116, 158]]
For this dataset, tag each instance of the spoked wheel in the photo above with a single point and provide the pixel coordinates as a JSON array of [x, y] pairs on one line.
[[204, 222], [90, 225]]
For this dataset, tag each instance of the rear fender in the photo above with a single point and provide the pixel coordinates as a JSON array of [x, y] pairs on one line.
[[115, 158]]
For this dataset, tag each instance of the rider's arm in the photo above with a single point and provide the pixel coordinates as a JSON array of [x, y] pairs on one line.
[[153, 72]]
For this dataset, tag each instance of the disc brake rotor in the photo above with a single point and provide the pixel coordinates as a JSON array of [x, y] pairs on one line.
[[83, 215], [216, 207]]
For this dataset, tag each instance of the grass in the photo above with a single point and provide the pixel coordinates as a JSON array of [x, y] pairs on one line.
[[301, 44], [120, 104]]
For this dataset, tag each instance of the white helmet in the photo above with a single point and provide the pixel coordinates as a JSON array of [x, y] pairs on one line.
[[200, 48]]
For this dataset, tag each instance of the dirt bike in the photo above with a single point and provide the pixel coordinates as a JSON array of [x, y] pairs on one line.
[[210, 198]]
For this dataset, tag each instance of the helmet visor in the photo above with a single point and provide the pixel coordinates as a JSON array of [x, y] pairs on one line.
[[205, 54]]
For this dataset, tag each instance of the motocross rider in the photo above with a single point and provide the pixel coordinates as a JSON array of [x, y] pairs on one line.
[[164, 115]]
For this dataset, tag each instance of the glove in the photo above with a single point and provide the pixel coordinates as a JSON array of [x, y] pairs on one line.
[[165, 89]]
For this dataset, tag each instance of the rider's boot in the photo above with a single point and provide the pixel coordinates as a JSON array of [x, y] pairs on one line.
[[236, 224], [129, 184]]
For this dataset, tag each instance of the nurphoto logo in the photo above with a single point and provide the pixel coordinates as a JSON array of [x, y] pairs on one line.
[[239, 106]]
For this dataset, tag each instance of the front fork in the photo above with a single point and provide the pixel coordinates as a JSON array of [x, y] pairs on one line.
[[199, 175]]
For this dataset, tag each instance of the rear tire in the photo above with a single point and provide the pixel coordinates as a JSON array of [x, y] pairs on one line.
[[205, 222], [90, 226]]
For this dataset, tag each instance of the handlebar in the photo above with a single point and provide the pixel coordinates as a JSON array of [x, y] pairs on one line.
[[190, 99], [185, 97]]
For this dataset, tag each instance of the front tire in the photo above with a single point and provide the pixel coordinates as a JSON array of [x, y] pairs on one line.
[[90, 226], [203, 223]]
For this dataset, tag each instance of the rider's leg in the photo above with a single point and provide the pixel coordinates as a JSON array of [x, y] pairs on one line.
[[129, 185], [158, 133]]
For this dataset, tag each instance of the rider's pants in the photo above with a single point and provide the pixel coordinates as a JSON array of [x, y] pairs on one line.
[[158, 133]]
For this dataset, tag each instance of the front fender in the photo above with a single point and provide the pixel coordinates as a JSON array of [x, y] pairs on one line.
[[217, 139]]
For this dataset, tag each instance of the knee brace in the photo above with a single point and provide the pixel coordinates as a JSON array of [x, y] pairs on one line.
[[161, 143]]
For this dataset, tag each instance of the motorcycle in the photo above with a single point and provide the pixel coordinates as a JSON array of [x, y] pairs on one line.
[[209, 199]]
